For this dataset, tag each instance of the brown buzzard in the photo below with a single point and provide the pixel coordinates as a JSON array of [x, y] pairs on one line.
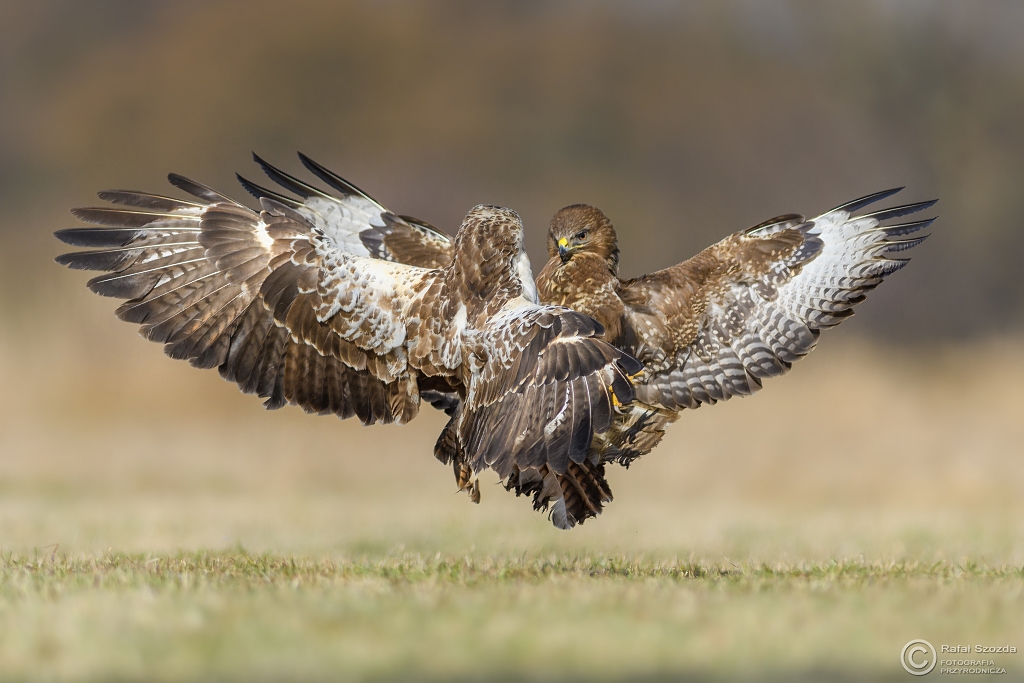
[[288, 303]]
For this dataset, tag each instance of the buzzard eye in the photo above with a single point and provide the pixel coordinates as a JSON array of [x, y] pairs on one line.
[[582, 234]]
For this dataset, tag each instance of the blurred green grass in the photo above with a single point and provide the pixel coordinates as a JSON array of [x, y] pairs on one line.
[[236, 616]]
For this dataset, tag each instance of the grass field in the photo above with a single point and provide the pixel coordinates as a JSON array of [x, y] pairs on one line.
[[156, 525], [237, 616]]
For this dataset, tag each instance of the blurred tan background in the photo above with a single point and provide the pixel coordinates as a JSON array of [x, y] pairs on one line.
[[899, 437]]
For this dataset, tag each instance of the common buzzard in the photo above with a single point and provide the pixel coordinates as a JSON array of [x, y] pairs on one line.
[[288, 303]]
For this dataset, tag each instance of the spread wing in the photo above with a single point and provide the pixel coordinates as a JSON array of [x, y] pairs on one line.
[[249, 293], [748, 307]]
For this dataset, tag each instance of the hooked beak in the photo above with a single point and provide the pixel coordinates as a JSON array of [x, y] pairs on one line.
[[564, 252]]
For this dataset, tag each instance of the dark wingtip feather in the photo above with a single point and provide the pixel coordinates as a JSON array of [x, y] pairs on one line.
[[897, 211], [66, 259], [97, 237], [792, 218], [197, 189], [333, 179], [291, 183], [259, 192], [117, 259], [903, 245], [122, 286], [274, 403], [865, 200], [892, 265], [145, 200], [906, 228], [68, 236], [119, 218]]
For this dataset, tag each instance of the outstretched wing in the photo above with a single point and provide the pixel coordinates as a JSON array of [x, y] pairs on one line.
[[221, 285], [748, 307]]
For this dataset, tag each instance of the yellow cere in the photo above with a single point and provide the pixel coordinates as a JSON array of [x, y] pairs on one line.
[[563, 242]]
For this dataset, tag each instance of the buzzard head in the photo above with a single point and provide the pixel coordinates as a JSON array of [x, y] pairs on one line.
[[581, 228], [489, 255]]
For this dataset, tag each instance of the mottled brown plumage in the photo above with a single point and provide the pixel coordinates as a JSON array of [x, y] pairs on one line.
[[583, 269], [289, 304]]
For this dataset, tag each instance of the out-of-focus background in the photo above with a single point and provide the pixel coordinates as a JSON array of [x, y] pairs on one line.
[[900, 438], [684, 121]]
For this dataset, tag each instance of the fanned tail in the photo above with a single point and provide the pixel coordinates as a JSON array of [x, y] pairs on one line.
[[570, 498], [636, 431]]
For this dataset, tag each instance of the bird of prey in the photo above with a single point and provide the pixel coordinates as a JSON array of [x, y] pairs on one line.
[[714, 326], [289, 304]]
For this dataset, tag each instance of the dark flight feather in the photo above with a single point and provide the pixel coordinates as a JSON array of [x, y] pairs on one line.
[[334, 180], [259, 192], [290, 183]]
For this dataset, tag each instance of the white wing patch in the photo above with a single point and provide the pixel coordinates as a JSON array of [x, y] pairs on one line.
[[525, 273], [343, 219], [369, 297], [262, 236]]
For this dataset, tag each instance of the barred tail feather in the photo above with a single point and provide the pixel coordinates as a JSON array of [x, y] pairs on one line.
[[570, 498]]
